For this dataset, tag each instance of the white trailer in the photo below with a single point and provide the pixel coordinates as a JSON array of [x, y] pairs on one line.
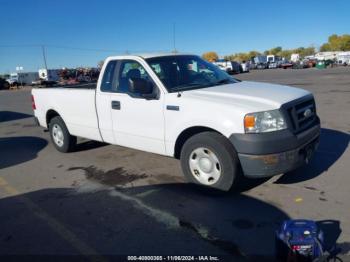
[[329, 55], [22, 78], [343, 58], [50, 75], [294, 58]]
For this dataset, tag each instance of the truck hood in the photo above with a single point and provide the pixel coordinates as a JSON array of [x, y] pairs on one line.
[[251, 95]]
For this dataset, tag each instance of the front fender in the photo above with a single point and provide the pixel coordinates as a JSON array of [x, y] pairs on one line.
[[221, 125]]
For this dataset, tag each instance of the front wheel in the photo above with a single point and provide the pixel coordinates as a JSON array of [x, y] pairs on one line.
[[209, 159], [60, 136]]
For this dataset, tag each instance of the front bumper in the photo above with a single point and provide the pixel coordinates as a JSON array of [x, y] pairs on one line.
[[268, 154]]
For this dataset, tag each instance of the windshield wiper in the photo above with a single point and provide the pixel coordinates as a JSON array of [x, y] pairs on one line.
[[187, 86], [223, 81], [197, 85]]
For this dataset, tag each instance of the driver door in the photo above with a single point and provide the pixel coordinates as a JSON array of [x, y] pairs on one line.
[[137, 122]]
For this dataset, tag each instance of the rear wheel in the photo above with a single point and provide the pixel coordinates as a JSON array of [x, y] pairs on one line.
[[208, 159], [60, 136]]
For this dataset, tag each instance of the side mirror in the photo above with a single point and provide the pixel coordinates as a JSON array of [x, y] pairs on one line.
[[141, 87]]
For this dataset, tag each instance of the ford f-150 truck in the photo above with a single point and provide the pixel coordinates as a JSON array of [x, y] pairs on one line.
[[181, 106]]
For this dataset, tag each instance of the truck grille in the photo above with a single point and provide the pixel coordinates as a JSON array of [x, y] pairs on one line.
[[302, 114]]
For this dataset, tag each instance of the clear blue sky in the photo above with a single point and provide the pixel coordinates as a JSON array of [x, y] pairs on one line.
[[225, 26]]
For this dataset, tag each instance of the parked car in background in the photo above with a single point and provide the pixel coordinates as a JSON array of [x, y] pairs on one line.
[[286, 64], [273, 58], [252, 65], [261, 62], [300, 65], [4, 84], [262, 66], [272, 65], [230, 67], [13, 80], [245, 66], [273, 61], [309, 62]]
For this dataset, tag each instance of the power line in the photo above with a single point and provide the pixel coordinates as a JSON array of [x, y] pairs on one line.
[[79, 48], [62, 47], [84, 49], [21, 45]]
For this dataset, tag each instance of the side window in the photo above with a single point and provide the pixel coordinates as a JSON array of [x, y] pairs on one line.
[[130, 69], [168, 73], [107, 80], [193, 65]]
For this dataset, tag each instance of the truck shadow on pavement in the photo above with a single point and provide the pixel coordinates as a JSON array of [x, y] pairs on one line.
[[16, 150], [147, 220], [9, 116], [89, 145], [333, 144], [162, 219]]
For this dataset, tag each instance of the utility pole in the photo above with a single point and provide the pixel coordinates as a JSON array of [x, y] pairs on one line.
[[174, 38], [44, 56]]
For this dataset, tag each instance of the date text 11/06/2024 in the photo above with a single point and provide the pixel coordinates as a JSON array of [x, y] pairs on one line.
[[173, 258]]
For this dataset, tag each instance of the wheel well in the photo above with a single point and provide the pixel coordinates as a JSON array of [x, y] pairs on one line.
[[186, 134], [49, 115]]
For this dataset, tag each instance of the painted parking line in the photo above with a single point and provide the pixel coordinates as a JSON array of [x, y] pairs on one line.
[[54, 224]]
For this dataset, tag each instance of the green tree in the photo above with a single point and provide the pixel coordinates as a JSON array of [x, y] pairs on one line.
[[325, 47], [306, 51], [253, 53], [275, 51], [337, 43], [241, 57], [210, 56], [334, 42], [345, 43], [229, 57], [286, 53]]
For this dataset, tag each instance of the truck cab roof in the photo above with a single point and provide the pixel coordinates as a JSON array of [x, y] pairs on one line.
[[147, 55]]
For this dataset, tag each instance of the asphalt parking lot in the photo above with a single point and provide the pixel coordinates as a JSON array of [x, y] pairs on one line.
[[104, 200]]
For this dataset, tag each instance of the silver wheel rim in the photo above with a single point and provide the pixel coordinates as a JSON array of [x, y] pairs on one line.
[[205, 166], [57, 135]]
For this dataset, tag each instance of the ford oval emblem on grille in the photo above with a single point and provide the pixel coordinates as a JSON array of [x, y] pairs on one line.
[[307, 112]]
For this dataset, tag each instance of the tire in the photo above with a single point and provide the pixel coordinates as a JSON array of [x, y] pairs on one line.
[[6, 86], [200, 166], [59, 132]]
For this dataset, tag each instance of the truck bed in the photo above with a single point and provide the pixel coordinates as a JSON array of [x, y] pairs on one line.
[[75, 105]]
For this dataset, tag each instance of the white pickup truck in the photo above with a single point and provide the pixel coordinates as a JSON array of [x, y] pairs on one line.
[[181, 106]]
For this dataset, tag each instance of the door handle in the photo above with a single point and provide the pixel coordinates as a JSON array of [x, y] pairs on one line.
[[116, 105]]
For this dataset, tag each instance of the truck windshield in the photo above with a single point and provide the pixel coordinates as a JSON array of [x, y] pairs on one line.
[[187, 72]]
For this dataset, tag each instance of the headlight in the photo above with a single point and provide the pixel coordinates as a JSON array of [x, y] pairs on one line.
[[267, 121]]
